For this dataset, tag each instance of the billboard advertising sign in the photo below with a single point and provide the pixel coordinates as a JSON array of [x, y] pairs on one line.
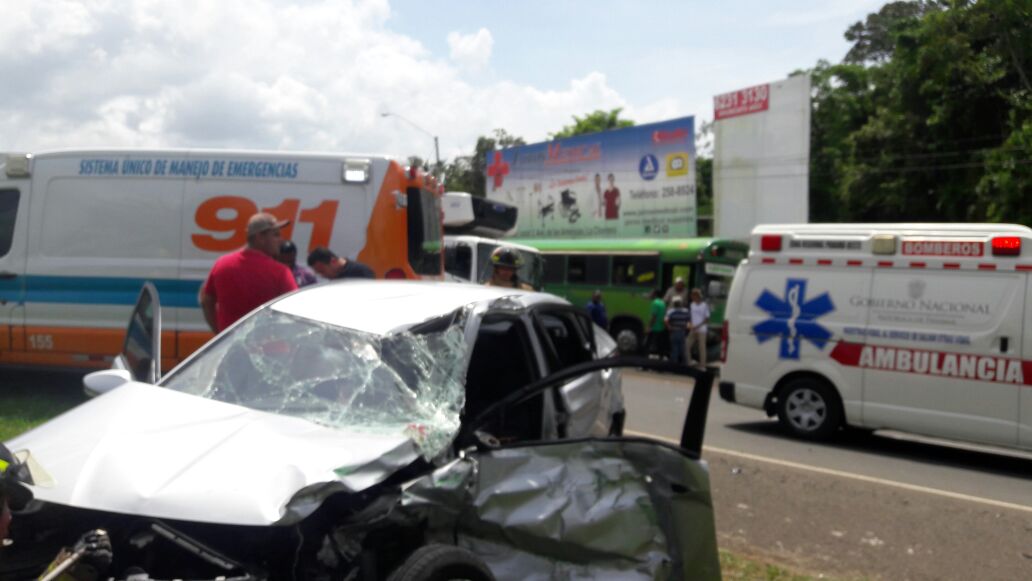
[[761, 156], [632, 182], [742, 102]]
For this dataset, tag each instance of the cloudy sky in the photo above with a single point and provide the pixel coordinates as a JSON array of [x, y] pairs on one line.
[[319, 75]]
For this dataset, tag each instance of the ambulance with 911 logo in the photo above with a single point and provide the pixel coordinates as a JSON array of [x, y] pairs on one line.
[[82, 231], [923, 328]]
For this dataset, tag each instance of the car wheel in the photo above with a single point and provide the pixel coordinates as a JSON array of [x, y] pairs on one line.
[[627, 341], [809, 408], [442, 563]]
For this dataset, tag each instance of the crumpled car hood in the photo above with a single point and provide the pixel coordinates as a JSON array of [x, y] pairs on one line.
[[150, 451]]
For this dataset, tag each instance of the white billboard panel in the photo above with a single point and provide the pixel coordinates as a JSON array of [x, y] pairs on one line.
[[761, 156]]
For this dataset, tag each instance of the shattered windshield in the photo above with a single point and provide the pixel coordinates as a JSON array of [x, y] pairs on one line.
[[409, 383]]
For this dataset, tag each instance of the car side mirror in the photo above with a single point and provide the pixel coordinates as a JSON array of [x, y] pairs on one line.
[[101, 382]]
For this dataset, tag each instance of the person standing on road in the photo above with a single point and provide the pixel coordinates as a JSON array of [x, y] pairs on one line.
[[656, 342], [597, 310], [677, 320], [700, 315], [248, 278], [288, 256], [678, 290], [331, 266]]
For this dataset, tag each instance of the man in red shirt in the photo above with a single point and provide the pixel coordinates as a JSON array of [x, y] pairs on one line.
[[248, 278], [612, 197]]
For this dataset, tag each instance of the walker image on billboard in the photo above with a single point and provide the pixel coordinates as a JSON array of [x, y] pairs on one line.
[[632, 182]]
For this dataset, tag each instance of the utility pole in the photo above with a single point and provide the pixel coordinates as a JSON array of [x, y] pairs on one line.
[[437, 150]]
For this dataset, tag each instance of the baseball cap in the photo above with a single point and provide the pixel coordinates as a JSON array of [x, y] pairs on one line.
[[288, 247], [263, 222], [676, 280]]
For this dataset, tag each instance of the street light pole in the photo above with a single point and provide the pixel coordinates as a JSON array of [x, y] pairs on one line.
[[437, 150]]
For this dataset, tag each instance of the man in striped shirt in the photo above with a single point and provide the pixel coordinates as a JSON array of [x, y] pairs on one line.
[[677, 319]]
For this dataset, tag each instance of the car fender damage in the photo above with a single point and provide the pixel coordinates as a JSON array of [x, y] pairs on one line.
[[629, 509]]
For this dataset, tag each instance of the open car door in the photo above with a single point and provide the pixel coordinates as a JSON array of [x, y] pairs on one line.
[[578, 508], [140, 358], [141, 351], [590, 401]]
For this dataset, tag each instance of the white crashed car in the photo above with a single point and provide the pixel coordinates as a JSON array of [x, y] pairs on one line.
[[366, 429]]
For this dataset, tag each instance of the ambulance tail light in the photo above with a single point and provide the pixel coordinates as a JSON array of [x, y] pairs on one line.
[[395, 274], [1007, 246], [770, 243], [725, 336]]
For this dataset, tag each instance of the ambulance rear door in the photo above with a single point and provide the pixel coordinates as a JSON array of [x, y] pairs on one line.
[[1025, 420], [944, 350]]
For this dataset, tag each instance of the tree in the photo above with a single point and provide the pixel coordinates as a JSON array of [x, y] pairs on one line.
[[931, 118], [594, 122], [874, 39], [467, 173]]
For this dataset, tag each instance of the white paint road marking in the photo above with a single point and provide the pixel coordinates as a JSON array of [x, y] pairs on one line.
[[860, 477]]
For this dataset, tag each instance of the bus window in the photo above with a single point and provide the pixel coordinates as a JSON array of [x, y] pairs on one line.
[[424, 231], [589, 269], [555, 269], [635, 270]]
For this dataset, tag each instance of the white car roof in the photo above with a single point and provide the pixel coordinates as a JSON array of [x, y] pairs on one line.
[[382, 306]]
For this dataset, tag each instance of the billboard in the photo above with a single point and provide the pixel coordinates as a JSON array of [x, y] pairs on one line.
[[761, 156], [630, 183]]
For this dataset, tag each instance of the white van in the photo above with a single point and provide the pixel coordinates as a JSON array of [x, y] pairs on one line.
[[924, 328], [82, 231]]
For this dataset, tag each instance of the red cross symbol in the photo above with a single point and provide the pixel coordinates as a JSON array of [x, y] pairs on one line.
[[498, 170]]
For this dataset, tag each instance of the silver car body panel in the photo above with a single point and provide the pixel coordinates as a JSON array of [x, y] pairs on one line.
[[146, 450], [588, 509]]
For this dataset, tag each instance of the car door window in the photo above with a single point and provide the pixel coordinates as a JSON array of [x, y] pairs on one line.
[[502, 362], [566, 335], [141, 350]]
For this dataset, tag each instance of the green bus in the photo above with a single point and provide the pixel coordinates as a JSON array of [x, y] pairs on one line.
[[627, 270]]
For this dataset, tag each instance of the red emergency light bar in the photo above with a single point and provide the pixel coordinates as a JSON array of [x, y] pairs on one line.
[[1006, 246], [770, 243]]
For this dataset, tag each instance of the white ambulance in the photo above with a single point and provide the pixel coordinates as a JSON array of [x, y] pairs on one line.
[[82, 231], [923, 328]]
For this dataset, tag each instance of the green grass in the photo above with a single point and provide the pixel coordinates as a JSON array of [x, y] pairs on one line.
[[737, 567], [27, 400]]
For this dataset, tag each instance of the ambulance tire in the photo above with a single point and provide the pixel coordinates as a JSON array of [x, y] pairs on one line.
[[809, 408]]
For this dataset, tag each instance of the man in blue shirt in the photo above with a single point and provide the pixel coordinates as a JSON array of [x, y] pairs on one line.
[[597, 310]]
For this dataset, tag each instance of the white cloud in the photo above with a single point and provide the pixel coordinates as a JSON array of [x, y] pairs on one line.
[[471, 50], [260, 74]]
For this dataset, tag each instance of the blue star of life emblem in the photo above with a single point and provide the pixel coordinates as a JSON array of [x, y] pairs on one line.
[[793, 318]]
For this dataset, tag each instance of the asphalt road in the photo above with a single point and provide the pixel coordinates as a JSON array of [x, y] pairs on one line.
[[885, 506]]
